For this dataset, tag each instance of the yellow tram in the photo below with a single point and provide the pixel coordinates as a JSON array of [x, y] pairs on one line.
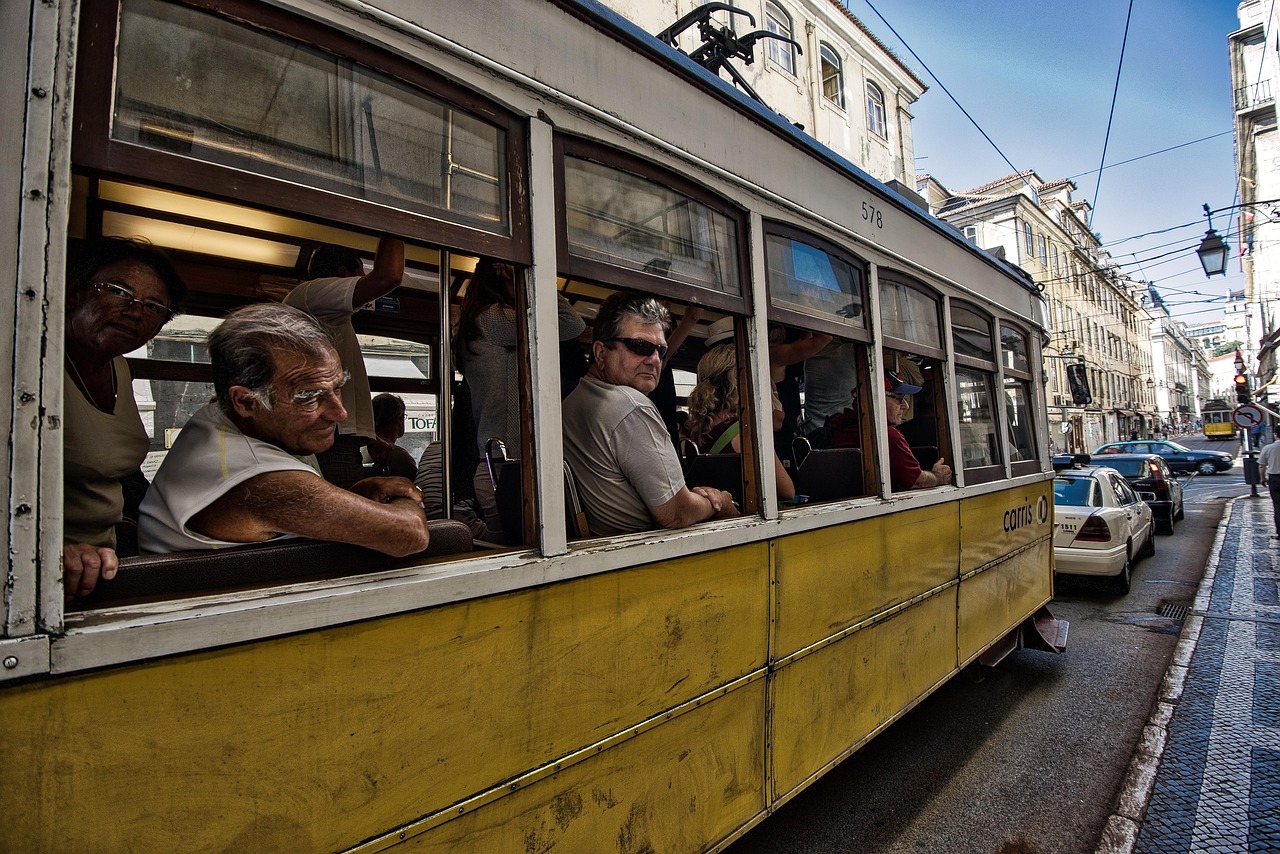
[[659, 691], [1218, 425]]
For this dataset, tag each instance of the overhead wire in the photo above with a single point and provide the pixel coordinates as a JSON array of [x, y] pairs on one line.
[[1111, 115]]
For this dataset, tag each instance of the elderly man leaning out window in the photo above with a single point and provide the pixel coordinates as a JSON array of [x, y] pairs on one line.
[[243, 470]]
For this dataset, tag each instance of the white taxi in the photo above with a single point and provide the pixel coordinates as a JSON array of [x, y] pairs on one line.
[[1100, 525]]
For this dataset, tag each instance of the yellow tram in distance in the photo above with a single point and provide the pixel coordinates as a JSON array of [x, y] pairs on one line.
[[661, 691], [1216, 415]]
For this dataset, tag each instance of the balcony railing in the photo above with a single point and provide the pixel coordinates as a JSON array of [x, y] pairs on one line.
[[1254, 95]]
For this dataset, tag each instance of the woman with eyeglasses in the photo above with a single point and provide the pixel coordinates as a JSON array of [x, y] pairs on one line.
[[120, 292], [714, 424], [485, 346]]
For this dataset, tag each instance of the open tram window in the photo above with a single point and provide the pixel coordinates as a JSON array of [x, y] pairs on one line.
[[911, 322], [818, 362], [658, 433]]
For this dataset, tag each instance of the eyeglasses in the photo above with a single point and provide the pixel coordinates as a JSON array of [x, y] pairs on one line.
[[123, 297], [309, 400], [901, 398], [642, 348]]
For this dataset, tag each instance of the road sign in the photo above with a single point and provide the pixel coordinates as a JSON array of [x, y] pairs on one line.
[[1246, 415]]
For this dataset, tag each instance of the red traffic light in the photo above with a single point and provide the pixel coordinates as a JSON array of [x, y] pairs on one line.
[[1242, 388]]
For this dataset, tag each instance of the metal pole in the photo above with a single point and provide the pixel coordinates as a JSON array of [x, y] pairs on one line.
[[1247, 453]]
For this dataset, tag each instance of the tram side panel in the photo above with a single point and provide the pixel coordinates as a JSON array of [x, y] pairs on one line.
[[865, 627], [1006, 569], [321, 740]]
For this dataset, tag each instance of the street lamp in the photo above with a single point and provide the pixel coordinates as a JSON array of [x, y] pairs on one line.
[[1213, 250]]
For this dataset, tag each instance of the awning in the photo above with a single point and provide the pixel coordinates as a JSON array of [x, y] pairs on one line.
[[391, 366]]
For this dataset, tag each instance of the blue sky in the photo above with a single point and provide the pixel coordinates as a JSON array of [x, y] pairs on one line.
[[1038, 77]]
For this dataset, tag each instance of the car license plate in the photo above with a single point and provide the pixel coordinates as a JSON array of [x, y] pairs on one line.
[[1066, 527]]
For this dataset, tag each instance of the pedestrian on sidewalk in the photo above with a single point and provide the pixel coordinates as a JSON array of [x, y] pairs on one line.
[[1269, 471]]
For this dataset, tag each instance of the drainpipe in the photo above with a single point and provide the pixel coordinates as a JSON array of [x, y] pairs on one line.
[[815, 86]]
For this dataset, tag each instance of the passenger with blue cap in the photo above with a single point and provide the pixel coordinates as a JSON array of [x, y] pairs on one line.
[[904, 469]]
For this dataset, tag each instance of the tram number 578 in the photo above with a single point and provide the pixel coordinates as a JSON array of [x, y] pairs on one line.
[[872, 214]]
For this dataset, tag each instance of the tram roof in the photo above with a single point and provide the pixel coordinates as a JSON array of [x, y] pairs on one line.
[[629, 33]]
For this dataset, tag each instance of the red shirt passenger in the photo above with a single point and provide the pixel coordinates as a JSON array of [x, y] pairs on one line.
[[904, 469]]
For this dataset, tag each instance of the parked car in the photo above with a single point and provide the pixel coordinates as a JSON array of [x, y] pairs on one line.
[[1101, 526], [1178, 457], [1155, 483]]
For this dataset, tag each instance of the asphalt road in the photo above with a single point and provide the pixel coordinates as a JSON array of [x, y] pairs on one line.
[[1028, 757]]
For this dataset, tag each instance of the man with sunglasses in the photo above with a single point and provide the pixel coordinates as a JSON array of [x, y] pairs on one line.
[[614, 438], [243, 469], [904, 469]]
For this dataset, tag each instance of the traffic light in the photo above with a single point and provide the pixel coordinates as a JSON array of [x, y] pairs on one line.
[[1078, 380], [1242, 387]]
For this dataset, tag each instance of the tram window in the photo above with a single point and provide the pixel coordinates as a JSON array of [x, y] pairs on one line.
[[1017, 400], [909, 313], [628, 221], [618, 447], [379, 137], [830, 457], [974, 343], [923, 419], [806, 275]]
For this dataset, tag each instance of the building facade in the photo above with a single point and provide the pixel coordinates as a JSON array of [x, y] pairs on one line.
[[1255, 73], [843, 86], [1099, 319]]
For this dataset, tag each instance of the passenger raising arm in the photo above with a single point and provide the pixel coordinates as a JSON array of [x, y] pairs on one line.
[[243, 469]]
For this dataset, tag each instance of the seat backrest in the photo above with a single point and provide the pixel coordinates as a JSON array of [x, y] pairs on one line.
[[260, 564], [575, 516], [720, 471], [926, 455], [829, 474]]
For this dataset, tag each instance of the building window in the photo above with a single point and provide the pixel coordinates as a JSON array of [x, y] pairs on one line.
[[1055, 260], [1031, 240], [1044, 250], [832, 75], [875, 111], [776, 20], [971, 234]]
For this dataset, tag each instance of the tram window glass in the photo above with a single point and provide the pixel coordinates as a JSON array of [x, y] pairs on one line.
[[971, 333], [200, 86], [1017, 400], [978, 446], [828, 454], [1013, 350], [618, 219], [909, 313], [814, 279]]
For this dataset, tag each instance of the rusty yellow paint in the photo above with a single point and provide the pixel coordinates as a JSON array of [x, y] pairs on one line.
[[680, 787], [995, 600], [318, 741], [998, 523], [834, 577], [829, 700]]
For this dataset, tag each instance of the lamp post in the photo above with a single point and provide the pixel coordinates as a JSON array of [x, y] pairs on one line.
[[1213, 250]]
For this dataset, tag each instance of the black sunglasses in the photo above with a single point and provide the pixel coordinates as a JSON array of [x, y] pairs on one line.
[[642, 348]]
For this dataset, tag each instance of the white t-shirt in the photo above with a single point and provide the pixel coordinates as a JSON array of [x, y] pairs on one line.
[[621, 455], [210, 457]]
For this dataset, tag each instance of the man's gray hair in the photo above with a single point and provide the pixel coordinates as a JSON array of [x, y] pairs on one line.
[[614, 310], [243, 347]]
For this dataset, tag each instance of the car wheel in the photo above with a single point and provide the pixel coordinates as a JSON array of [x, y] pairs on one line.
[[1119, 583], [1207, 467], [1166, 525], [1182, 512], [1149, 550]]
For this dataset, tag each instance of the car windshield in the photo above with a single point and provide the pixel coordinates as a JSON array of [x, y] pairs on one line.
[[1074, 491]]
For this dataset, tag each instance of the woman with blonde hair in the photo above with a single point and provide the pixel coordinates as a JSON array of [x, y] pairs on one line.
[[714, 421]]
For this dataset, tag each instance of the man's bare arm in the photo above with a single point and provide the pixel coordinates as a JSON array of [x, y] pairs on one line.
[[690, 506], [385, 277], [305, 505]]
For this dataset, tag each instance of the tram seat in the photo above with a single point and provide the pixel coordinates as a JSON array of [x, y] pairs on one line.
[[830, 474], [719, 471], [509, 496], [188, 573], [927, 455]]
